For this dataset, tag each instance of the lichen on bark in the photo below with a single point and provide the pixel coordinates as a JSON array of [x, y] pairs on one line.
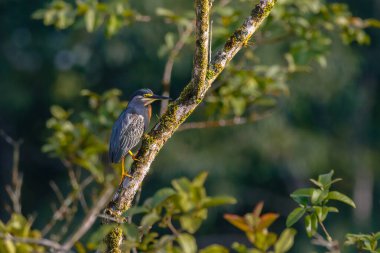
[[204, 73]]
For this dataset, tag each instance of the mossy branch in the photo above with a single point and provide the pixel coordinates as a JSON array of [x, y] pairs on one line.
[[203, 76]]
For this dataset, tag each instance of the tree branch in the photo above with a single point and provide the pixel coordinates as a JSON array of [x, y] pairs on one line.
[[202, 78], [166, 79]]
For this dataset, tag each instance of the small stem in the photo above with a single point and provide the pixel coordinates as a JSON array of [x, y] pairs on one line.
[[325, 231], [171, 227]]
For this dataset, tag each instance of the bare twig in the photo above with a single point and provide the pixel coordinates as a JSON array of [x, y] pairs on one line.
[[223, 122], [331, 246], [106, 217], [90, 217], [57, 192], [42, 241], [14, 190], [59, 214], [166, 79], [74, 179]]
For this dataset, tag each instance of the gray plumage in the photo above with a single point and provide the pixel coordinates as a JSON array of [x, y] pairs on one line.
[[131, 124], [126, 134]]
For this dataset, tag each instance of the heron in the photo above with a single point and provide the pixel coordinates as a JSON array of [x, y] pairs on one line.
[[130, 126]]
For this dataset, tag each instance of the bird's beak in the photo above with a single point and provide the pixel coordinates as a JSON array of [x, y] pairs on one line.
[[152, 98], [157, 97]]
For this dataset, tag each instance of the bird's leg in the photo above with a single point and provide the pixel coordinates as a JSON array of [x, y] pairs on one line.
[[133, 156], [123, 173]]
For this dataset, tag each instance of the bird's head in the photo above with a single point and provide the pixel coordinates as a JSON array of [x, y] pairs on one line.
[[146, 96]]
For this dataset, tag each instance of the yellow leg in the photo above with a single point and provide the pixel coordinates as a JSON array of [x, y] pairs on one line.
[[123, 173], [133, 156]]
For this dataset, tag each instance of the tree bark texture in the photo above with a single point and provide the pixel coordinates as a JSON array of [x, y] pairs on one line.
[[204, 74]]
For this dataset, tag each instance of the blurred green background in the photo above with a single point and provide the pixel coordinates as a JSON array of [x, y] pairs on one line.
[[330, 120]]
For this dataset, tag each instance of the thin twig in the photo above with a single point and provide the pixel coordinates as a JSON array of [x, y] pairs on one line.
[[74, 179], [59, 214], [43, 242], [171, 227], [111, 218], [57, 192], [90, 218], [331, 246], [14, 190], [223, 122], [166, 78], [329, 238]]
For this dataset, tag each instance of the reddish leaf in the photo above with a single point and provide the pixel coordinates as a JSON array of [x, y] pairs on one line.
[[266, 220], [258, 208], [238, 222]]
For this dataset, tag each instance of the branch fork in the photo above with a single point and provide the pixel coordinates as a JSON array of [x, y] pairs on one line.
[[204, 74]]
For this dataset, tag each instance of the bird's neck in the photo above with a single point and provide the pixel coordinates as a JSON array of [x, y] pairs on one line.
[[149, 107]]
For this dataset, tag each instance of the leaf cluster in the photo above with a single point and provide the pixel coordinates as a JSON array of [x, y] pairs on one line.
[[256, 227], [20, 227], [167, 221], [364, 242], [314, 203], [82, 140], [92, 14]]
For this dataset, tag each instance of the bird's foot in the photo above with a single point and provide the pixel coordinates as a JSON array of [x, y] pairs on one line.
[[123, 176], [126, 175], [134, 158]]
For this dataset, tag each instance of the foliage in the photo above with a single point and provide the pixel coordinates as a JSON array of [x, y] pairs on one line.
[[303, 29], [255, 227], [301, 32], [364, 242], [314, 203], [113, 15], [167, 221], [20, 227], [81, 140]]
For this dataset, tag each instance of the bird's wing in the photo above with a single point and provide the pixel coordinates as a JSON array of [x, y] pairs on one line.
[[126, 134]]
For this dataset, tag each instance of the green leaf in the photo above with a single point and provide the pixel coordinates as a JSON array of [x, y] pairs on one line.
[[240, 248], [131, 231], [190, 223], [332, 209], [294, 216], [318, 196], [325, 179], [303, 192], [187, 243], [200, 179], [160, 196], [302, 196], [335, 195], [218, 201], [214, 248], [89, 19], [182, 185], [316, 183], [285, 241], [58, 112], [311, 224], [149, 219], [321, 212]]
